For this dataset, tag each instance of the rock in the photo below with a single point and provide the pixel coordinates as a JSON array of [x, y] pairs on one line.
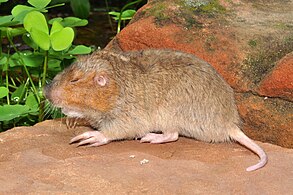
[[266, 119], [248, 42], [279, 83], [39, 160]]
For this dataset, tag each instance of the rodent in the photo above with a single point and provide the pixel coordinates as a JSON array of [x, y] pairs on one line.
[[155, 95]]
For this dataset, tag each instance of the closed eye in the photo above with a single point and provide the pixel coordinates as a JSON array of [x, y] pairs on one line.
[[74, 80]]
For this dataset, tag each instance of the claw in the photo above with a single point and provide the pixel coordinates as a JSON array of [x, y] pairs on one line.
[[80, 137], [155, 138], [93, 138], [71, 122], [87, 141]]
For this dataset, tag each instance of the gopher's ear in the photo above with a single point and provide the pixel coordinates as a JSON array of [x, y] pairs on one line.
[[101, 79]]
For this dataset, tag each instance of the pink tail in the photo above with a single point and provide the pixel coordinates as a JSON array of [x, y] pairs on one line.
[[246, 141]]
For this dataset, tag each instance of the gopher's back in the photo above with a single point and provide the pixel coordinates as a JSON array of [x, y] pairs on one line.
[[175, 91]]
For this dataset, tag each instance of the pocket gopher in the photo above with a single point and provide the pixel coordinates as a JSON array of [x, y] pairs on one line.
[[155, 95]]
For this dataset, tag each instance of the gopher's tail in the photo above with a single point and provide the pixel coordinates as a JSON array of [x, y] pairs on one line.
[[240, 137]]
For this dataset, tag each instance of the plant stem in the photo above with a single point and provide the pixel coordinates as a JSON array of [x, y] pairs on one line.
[[6, 76], [45, 67], [0, 43], [25, 69], [6, 69], [57, 5], [109, 17], [7, 79], [1, 55], [123, 8], [23, 90], [43, 83]]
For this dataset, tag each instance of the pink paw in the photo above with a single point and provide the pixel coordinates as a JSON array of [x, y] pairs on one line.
[[155, 138], [92, 138]]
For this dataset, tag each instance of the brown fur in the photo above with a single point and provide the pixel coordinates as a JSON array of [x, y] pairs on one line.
[[154, 90], [150, 91]]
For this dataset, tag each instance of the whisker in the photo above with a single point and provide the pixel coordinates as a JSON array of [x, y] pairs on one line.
[[52, 111]]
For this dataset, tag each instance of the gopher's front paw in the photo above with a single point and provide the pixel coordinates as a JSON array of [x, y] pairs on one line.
[[92, 138], [72, 122]]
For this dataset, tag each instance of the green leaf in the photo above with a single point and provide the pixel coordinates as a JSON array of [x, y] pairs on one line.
[[69, 21], [20, 11], [18, 93], [128, 14], [41, 38], [32, 60], [3, 60], [32, 102], [40, 4], [59, 19], [54, 65], [3, 92], [7, 20], [73, 22], [9, 112], [62, 39], [59, 1], [27, 38], [5, 65], [14, 60], [80, 49], [56, 27], [13, 32], [28, 58], [115, 15], [80, 8], [37, 21], [3, 1]]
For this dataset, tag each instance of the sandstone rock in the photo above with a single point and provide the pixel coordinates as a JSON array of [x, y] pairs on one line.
[[266, 119], [243, 40], [39, 160], [279, 83]]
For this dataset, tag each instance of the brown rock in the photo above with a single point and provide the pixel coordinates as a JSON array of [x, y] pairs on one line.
[[279, 83], [39, 160], [266, 119]]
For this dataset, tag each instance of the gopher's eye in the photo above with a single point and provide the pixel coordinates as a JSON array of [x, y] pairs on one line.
[[74, 80]]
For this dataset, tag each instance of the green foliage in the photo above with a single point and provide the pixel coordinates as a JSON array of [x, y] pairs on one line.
[[124, 14], [3, 1], [69, 21], [80, 8], [25, 72], [3, 92]]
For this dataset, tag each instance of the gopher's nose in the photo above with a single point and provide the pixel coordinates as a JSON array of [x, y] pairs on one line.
[[47, 90]]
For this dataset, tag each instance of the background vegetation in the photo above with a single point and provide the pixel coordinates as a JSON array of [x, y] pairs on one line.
[[39, 38]]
